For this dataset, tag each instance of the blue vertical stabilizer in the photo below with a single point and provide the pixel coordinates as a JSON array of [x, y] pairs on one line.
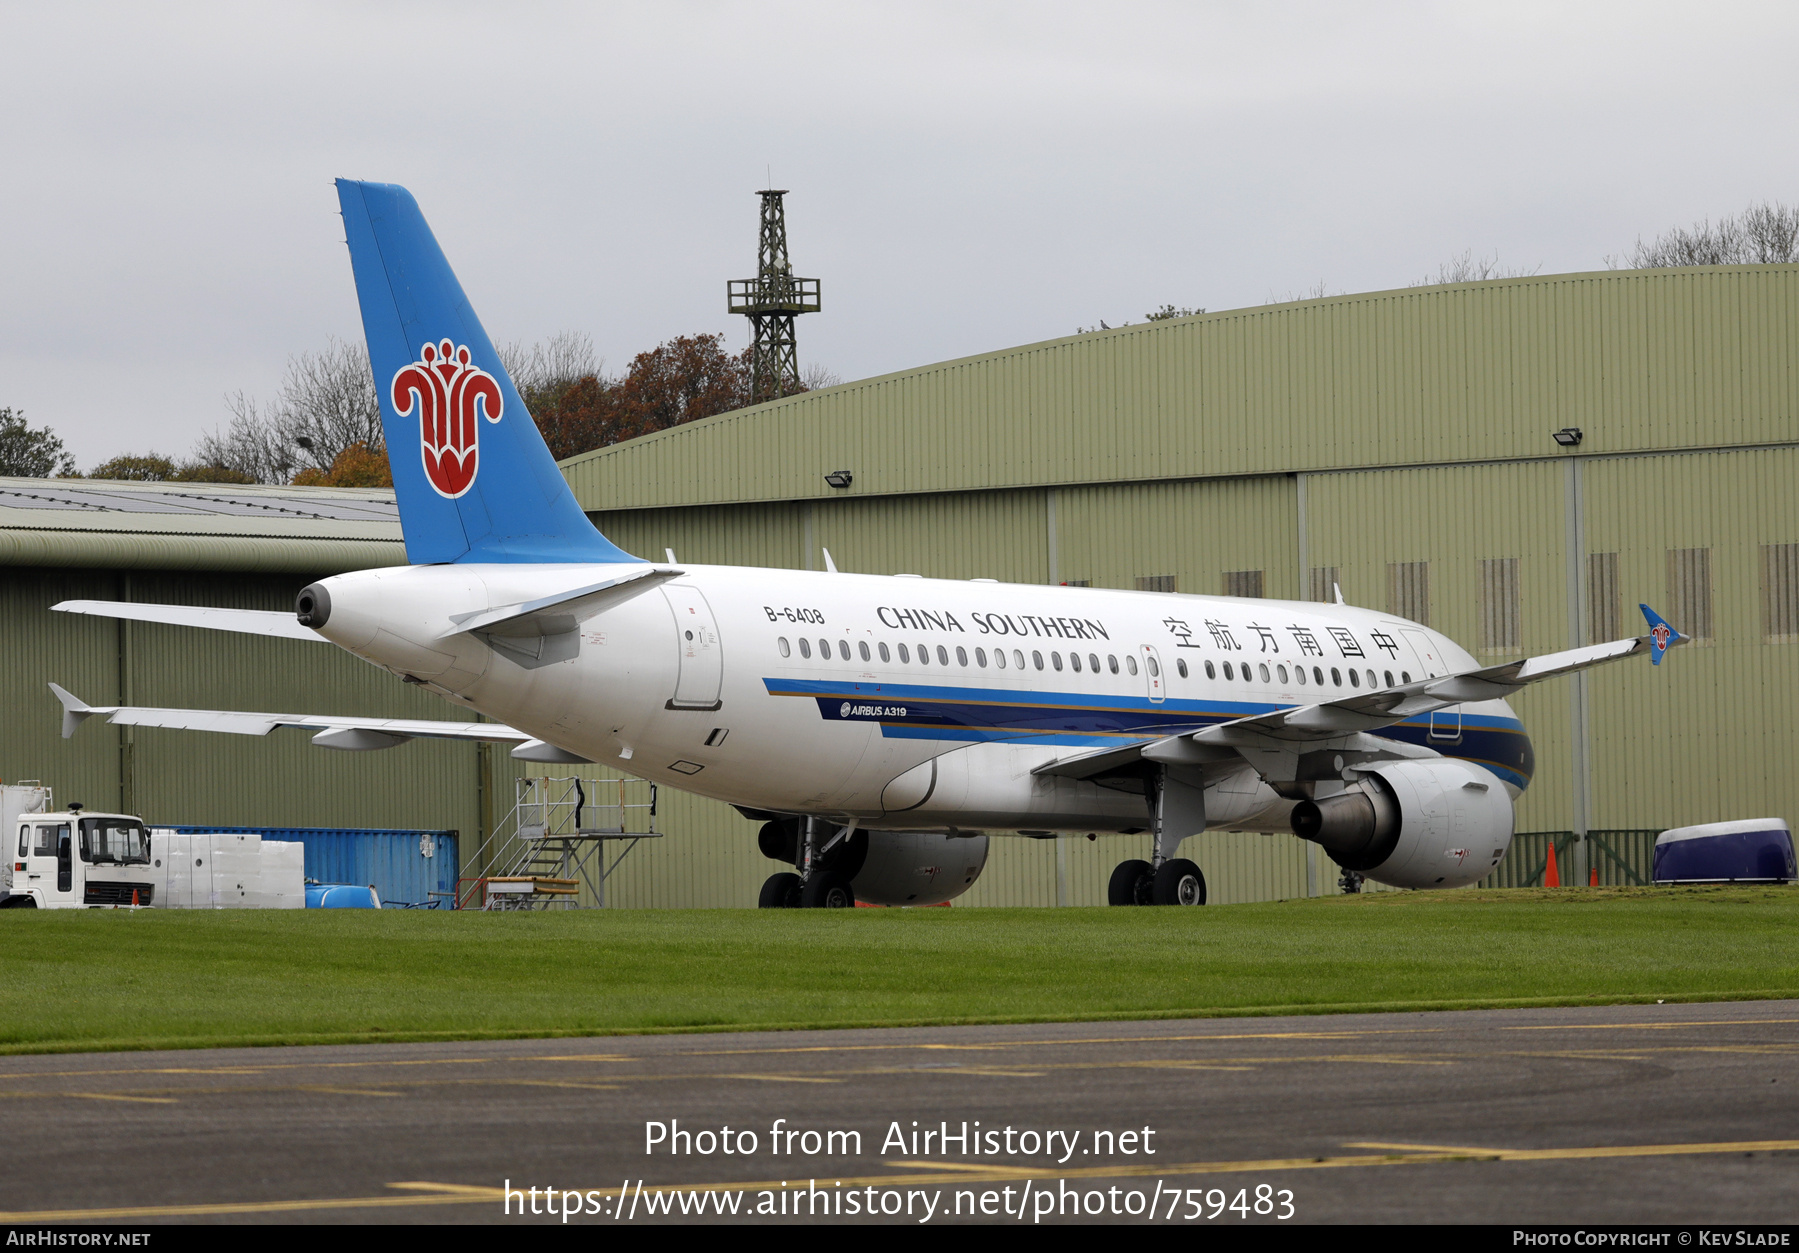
[[474, 480]]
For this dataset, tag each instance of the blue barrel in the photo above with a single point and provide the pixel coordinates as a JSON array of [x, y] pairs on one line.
[[1756, 850], [341, 896]]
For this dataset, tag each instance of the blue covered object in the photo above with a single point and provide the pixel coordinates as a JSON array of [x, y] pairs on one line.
[[1756, 850], [408, 869], [341, 896]]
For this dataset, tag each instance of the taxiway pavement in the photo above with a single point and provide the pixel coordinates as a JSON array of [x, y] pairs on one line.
[[1623, 1114]]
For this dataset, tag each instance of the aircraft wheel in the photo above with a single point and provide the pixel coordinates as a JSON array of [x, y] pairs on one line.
[[1178, 882], [825, 890], [1130, 883], [782, 891]]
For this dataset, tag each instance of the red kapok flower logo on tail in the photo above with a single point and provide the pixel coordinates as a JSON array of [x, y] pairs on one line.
[[448, 392]]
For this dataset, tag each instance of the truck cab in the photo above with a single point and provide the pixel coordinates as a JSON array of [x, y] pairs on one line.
[[78, 860]]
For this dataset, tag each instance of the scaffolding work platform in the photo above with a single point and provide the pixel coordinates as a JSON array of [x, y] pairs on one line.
[[550, 851]]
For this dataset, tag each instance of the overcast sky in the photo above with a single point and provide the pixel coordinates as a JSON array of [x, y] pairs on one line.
[[964, 177]]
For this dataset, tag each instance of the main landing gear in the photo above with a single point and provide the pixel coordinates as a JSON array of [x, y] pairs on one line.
[[823, 861], [1176, 881], [1177, 810]]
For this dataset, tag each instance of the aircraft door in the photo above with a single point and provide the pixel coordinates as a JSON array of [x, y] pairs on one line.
[[1152, 674], [1445, 724], [1429, 657], [702, 667]]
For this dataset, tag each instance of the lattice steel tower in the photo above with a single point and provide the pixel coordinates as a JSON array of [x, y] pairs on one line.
[[771, 301]]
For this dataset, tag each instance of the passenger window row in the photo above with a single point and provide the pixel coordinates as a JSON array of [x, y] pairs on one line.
[[1356, 677], [1000, 659]]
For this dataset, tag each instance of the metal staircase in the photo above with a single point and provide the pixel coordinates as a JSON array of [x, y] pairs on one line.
[[550, 851]]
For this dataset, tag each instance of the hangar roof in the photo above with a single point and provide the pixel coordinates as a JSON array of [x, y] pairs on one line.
[[1456, 373], [214, 526]]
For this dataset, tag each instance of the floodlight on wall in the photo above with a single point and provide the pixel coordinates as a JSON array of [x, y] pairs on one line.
[[1568, 436], [840, 478]]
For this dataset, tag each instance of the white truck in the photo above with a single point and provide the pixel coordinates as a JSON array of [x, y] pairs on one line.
[[77, 860]]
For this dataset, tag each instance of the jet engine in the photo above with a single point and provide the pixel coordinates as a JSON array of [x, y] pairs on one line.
[[889, 867], [1413, 824], [918, 867]]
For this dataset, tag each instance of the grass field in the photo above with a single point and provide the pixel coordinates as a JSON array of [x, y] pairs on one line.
[[81, 980]]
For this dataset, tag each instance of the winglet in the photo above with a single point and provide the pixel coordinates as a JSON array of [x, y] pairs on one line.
[[74, 710], [1661, 635]]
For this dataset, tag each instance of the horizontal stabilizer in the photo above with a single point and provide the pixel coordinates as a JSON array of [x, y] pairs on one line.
[[247, 621], [334, 731], [552, 615]]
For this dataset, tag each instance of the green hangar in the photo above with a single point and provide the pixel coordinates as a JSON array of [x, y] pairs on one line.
[[1517, 463]]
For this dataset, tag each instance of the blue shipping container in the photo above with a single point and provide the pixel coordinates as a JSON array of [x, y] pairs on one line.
[[409, 869]]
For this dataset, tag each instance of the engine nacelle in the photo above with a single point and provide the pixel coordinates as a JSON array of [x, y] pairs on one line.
[[887, 867], [1414, 824], [918, 867]]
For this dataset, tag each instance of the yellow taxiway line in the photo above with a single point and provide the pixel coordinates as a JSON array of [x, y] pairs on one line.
[[923, 1173]]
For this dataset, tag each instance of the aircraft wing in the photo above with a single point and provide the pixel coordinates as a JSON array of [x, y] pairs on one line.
[[330, 730], [246, 621], [1284, 732]]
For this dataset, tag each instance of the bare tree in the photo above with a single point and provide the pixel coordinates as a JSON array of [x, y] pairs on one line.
[[816, 378], [327, 403], [1765, 234], [1317, 291], [250, 445], [543, 371], [1468, 268]]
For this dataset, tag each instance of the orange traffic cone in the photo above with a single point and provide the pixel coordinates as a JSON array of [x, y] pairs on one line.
[[1593, 877], [1551, 879], [134, 896]]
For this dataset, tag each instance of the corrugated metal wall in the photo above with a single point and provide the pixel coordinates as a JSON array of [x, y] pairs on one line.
[[1638, 359]]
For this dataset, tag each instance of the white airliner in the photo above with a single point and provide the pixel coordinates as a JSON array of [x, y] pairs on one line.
[[879, 727]]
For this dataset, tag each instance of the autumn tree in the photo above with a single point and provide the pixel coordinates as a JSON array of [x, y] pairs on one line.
[[686, 378], [356, 466], [680, 380]]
